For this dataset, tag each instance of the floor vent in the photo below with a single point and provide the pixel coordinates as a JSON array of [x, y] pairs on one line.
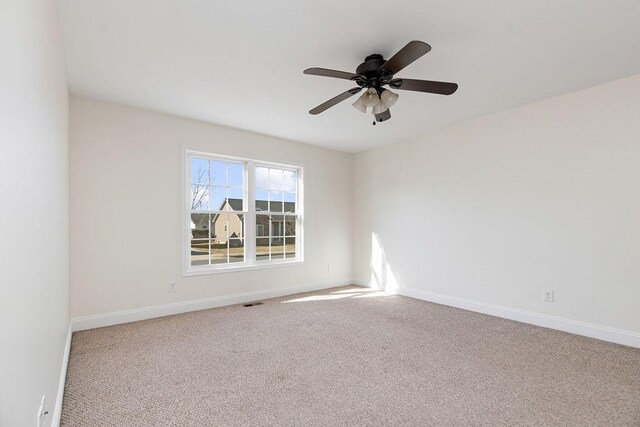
[[252, 304]]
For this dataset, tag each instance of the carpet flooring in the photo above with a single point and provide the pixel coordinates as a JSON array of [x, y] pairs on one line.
[[346, 356]]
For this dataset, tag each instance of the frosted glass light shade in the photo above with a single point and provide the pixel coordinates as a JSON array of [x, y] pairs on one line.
[[380, 108], [388, 98], [371, 98], [359, 104]]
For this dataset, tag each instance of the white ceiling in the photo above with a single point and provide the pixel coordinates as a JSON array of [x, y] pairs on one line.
[[240, 63]]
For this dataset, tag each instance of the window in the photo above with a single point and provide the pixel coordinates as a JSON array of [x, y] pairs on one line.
[[276, 192], [241, 213]]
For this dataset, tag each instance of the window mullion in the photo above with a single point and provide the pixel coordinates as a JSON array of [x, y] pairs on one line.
[[250, 222]]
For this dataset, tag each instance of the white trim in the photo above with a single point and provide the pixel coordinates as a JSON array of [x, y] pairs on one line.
[[605, 333], [126, 316], [57, 410], [231, 268]]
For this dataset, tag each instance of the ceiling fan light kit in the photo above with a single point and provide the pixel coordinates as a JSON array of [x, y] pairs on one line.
[[375, 73]]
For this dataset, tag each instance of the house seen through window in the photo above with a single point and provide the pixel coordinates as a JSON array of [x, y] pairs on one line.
[[234, 224]]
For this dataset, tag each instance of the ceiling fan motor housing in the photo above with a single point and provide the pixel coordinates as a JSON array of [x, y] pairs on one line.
[[371, 74], [371, 65]]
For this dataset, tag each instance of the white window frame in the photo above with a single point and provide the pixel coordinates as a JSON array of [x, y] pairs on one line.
[[250, 262]]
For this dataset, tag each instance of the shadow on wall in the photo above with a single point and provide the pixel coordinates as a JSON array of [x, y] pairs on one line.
[[382, 275]]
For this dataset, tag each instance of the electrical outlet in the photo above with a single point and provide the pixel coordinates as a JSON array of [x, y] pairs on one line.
[[172, 287], [42, 412], [548, 295], [329, 268]]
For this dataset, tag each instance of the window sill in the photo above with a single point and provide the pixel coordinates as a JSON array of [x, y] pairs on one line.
[[234, 269]]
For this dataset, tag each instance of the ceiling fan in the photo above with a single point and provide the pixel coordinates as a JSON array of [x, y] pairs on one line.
[[376, 72]]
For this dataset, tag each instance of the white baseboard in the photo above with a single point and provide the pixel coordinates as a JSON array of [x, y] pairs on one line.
[[126, 316], [57, 410], [605, 333]]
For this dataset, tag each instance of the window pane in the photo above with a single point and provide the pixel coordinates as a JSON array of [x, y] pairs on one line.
[[277, 225], [290, 226], [289, 202], [219, 228], [275, 201], [199, 252], [290, 247], [262, 249], [262, 178], [217, 196], [199, 226], [262, 225], [276, 179], [235, 197], [218, 172], [277, 248], [219, 253], [234, 174], [262, 197], [236, 250], [236, 226], [290, 181], [199, 198], [199, 169]]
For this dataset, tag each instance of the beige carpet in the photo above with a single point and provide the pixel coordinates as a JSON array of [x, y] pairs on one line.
[[346, 356]]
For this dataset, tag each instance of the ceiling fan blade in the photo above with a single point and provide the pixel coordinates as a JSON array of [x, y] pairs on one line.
[[440, 88], [405, 56], [335, 100], [325, 72]]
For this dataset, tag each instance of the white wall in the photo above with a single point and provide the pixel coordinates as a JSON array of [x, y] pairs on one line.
[[34, 313], [499, 208], [127, 200]]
